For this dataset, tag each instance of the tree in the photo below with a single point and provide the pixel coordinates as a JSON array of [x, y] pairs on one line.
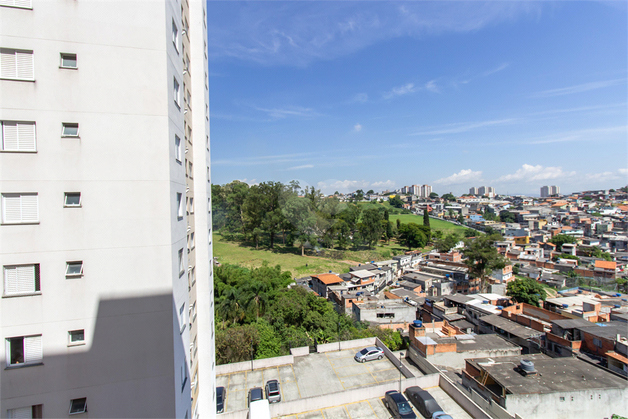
[[460, 219], [483, 257], [526, 290], [426, 217], [469, 232], [412, 235], [433, 195], [396, 202], [370, 192], [371, 226], [561, 239], [507, 217], [359, 195], [298, 212], [448, 197], [447, 243]]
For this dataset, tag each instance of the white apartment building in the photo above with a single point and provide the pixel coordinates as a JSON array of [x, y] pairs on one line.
[[105, 233], [547, 191], [426, 190]]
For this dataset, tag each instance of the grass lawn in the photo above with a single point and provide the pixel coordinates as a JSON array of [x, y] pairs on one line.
[[235, 253], [435, 224]]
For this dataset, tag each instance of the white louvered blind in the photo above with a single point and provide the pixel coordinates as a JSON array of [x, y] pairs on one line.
[[32, 349], [21, 413], [16, 64], [19, 279], [18, 136], [20, 208], [25, 4]]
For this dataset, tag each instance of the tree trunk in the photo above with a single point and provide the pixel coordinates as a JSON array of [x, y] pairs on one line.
[[302, 250], [272, 239]]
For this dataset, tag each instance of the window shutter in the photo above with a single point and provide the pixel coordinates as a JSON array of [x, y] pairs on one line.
[[26, 279], [8, 67], [32, 349], [10, 137], [10, 280], [26, 136], [25, 68], [16, 3], [21, 413], [30, 210], [12, 213]]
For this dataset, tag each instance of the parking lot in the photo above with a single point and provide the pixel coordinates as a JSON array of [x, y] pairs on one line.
[[375, 409], [311, 375]]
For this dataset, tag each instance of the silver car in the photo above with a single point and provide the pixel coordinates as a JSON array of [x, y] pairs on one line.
[[369, 354], [273, 395]]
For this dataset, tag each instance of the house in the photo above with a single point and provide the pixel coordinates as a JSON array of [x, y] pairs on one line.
[[385, 313], [537, 386], [503, 275], [321, 283]]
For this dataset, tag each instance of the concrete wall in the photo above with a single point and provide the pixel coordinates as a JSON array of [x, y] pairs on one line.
[[256, 364], [393, 358], [347, 344], [302, 351], [465, 402], [456, 359], [593, 403], [424, 365]]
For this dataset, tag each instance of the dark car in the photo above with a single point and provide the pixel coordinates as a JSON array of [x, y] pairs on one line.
[[273, 395], [423, 401], [398, 405], [256, 393], [220, 399]]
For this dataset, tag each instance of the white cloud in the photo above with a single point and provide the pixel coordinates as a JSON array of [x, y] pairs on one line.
[[623, 172], [360, 98], [529, 173], [496, 70], [400, 91], [289, 111], [331, 185], [585, 87], [463, 176], [357, 127], [384, 185], [305, 166], [250, 182], [464, 127], [607, 176], [432, 87]]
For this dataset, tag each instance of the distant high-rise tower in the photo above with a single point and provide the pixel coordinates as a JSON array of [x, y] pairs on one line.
[[416, 190], [473, 191], [105, 190], [426, 191], [547, 191]]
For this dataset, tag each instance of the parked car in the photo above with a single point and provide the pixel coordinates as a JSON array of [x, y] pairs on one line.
[[273, 394], [369, 354], [423, 401], [398, 405], [220, 399], [441, 415], [255, 394]]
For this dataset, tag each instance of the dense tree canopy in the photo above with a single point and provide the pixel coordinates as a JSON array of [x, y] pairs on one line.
[[447, 243], [413, 235], [526, 290], [561, 239], [507, 217], [396, 202], [482, 256]]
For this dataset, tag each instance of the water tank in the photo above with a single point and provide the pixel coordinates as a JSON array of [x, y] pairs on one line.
[[500, 307], [526, 365], [485, 302], [417, 323], [617, 294], [624, 299], [565, 305], [617, 306], [329, 271]]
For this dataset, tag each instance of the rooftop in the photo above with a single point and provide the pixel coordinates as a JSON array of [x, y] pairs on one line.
[[555, 375], [363, 274], [510, 326], [328, 278]]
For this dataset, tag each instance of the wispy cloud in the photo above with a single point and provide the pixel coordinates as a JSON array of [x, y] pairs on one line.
[[496, 69], [530, 173], [400, 91], [289, 111], [305, 166], [357, 127], [465, 127], [582, 135], [359, 98], [257, 160], [331, 185], [463, 176], [298, 33], [432, 87], [585, 87], [384, 184]]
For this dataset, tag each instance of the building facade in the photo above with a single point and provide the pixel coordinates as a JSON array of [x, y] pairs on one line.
[[426, 190], [547, 191], [107, 301]]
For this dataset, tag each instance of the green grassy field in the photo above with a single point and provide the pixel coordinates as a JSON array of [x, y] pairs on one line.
[[235, 253], [435, 224]]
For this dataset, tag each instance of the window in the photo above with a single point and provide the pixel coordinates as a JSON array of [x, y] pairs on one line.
[[181, 269], [193, 275], [179, 205], [189, 100], [191, 205], [18, 136], [16, 64], [70, 129], [176, 93], [190, 167], [177, 148], [597, 342], [193, 317], [21, 280], [76, 337], [182, 318], [175, 36], [24, 350], [22, 4], [69, 61], [192, 240], [20, 208], [74, 269], [184, 379], [386, 315], [28, 412], [72, 199], [78, 406]]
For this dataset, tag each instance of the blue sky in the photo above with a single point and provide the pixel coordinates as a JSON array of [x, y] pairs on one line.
[[378, 95]]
